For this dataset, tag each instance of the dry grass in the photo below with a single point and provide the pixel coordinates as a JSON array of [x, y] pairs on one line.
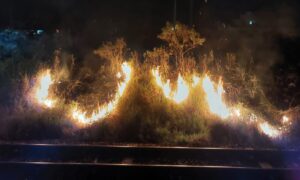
[[143, 113]]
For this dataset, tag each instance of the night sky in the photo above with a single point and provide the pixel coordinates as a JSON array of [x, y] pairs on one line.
[[138, 21], [263, 36], [266, 31]]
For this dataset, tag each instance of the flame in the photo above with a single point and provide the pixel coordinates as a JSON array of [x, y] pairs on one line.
[[196, 80], [119, 75], [126, 69], [269, 130], [182, 90], [165, 86], [236, 112], [42, 90], [180, 94], [218, 107], [285, 119], [214, 98], [103, 111]]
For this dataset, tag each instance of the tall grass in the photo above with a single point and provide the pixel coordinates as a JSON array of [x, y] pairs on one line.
[[143, 114]]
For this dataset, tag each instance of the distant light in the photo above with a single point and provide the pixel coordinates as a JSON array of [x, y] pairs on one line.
[[39, 31]]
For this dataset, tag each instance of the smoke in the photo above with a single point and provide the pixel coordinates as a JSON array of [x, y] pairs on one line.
[[255, 38], [259, 43]]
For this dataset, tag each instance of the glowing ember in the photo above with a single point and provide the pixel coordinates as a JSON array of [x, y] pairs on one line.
[[180, 94], [269, 130], [42, 89], [214, 98], [285, 119], [104, 110]]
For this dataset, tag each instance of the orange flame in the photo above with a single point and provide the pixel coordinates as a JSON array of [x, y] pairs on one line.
[[103, 111], [214, 98], [165, 86], [196, 80], [285, 119], [182, 90], [269, 130], [41, 93], [178, 95]]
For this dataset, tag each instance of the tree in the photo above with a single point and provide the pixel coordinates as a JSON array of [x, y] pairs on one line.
[[113, 52], [181, 40]]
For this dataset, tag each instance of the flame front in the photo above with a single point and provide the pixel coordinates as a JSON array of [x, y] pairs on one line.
[[42, 90], [269, 130], [196, 80], [285, 119], [164, 86], [213, 95], [103, 111], [182, 90], [180, 94], [214, 98]]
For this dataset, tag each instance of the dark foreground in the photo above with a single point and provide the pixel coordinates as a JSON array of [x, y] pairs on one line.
[[43, 161]]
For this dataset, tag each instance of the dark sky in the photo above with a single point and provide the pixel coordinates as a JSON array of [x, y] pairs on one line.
[[136, 13], [266, 31], [50, 13], [139, 21]]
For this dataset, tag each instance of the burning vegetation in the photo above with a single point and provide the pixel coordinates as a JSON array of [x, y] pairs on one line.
[[175, 96], [104, 110], [42, 88]]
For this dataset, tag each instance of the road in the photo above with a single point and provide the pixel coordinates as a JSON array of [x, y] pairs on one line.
[[59, 161]]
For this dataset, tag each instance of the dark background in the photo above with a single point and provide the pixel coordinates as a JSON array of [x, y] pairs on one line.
[[139, 21], [263, 31]]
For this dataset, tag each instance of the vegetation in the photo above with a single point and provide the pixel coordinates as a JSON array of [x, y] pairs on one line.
[[143, 114]]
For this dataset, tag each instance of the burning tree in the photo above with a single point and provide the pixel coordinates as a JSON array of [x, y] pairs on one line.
[[175, 96], [180, 40]]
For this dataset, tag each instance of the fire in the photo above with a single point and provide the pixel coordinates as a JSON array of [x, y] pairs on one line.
[[182, 91], [285, 119], [269, 130], [196, 80], [218, 107], [214, 98], [237, 112], [41, 94], [165, 86], [126, 69], [213, 94], [103, 111]]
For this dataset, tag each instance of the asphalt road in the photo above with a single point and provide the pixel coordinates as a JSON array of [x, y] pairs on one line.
[[54, 161]]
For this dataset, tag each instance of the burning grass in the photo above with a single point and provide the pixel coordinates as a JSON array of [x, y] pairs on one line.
[[174, 97], [104, 110]]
